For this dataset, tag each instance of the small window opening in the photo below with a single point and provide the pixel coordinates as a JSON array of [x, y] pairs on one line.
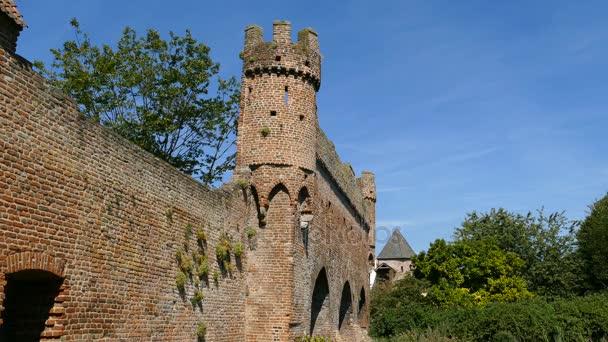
[[273, 113], [301, 117], [250, 89], [307, 63], [277, 58], [286, 95]]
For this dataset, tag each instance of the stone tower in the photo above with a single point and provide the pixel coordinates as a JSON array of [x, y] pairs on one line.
[[276, 152], [278, 122]]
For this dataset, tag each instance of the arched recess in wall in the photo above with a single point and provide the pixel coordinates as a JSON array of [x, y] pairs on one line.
[[305, 216], [370, 262], [33, 294], [256, 203], [319, 313], [362, 307], [346, 305], [279, 206], [276, 189]]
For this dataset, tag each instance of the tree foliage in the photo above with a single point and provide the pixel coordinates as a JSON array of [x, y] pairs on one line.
[[470, 273], [154, 92], [593, 246], [546, 244]]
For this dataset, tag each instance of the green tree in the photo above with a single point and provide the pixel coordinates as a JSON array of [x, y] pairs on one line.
[[401, 306], [545, 243], [470, 273], [593, 246], [156, 94]]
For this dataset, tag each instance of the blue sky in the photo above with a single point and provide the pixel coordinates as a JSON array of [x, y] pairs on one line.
[[454, 105]]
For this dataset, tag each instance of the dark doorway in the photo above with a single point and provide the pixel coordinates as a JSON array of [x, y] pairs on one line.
[[320, 303], [29, 297], [346, 305]]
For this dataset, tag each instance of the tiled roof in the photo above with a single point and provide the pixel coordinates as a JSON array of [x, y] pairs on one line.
[[9, 8], [396, 248]]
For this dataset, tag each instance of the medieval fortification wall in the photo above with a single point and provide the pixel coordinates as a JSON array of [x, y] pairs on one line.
[[94, 231]]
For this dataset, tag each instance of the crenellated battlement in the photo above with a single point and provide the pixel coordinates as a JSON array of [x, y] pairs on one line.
[[278, 121], [281, 56]]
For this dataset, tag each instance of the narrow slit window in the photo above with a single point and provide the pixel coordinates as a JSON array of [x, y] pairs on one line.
[[286, 95], [273, 113], [278, 58]]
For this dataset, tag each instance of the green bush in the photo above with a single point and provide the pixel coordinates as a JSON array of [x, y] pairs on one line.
[[239, 249], [180, 280], [201, 330], [201, 235], [402, 313], [429, 335], [251, 233]]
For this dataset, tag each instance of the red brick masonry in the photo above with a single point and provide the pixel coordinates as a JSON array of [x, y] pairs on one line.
[[99, 220]]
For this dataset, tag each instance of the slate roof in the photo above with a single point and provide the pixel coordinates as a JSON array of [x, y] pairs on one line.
[[9, 8], [396, 248]]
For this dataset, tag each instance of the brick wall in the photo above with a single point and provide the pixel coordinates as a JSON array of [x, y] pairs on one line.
[[113, 215], [104, 223]]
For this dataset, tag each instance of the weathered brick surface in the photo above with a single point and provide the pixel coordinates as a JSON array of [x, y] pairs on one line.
[[98, 205], [86, 206], [295, 163]]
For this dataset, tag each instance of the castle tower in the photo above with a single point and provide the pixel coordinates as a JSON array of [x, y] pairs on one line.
[[276, 152], [278, 122]]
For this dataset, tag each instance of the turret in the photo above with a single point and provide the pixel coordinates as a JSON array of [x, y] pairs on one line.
[[367, 184], [11, 24], [278, 121]]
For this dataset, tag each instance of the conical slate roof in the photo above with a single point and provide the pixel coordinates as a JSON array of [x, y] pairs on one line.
[[396, 248], [9, 8]]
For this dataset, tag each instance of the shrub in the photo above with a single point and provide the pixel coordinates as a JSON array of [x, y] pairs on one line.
[[429, 335], [169, 215], [203, 268], [198, 297], [400, 310], [243, 184], [188, 232], [239, 249], [186, 264], [223, 247], [265, 131], [251, 232], [228, 267], [201, 330], [180, 280], [179, 255], [201, 235]]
